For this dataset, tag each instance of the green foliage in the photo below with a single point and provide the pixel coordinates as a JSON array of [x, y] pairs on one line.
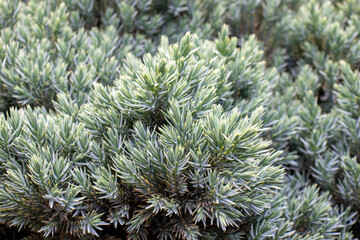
[[152, 151], [53, 47], [119, 123]]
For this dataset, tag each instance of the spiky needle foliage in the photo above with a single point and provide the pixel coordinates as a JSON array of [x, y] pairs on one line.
[[176, 149], [152, 155]]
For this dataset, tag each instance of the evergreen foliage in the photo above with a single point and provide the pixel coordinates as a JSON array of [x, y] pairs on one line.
[[152, 154], [153, 120]]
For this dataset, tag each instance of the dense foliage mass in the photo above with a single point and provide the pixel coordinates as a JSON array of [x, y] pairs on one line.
[[152, 119]]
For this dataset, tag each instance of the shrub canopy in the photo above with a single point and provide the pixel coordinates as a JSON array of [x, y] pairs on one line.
[[153, 119]]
